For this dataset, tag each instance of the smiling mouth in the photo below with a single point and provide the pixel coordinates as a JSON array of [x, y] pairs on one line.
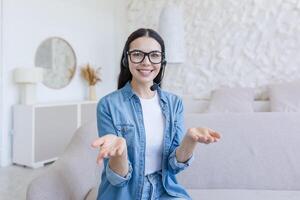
[[145, 70]]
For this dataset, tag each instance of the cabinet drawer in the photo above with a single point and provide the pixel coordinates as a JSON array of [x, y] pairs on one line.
[[54, 127]]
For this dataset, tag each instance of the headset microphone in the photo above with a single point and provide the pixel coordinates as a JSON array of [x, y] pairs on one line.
[[156, 85]]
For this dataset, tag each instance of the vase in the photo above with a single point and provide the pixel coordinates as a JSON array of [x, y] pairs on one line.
[[92, 93]]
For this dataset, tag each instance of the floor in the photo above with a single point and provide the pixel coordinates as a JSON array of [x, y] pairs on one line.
[[15, 179]]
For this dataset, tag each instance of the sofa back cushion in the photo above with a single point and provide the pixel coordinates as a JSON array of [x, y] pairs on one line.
[[192, 105], [285, 97], [231, 100]]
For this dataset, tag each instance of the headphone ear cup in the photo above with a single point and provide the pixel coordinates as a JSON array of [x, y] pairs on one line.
[[164, 63], [124, 62]]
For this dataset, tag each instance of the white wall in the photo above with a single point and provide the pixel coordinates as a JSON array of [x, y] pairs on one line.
[[1, 65], [94, 28], [230, 42]]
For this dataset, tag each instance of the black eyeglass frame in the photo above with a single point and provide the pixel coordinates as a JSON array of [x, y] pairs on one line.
[[146, 54]]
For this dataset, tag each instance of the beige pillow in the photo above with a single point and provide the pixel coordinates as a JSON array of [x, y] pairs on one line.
[[285, 97], [231, 100]]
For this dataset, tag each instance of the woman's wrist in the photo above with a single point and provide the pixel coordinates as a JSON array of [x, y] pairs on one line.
[[119, 164], [185, 149]]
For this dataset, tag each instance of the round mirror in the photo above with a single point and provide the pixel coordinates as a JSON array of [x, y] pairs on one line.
[[57, 58]]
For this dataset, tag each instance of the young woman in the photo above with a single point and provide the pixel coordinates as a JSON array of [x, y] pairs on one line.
[[141, 131]]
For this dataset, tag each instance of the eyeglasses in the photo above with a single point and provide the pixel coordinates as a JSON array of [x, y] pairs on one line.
[[138, 56]]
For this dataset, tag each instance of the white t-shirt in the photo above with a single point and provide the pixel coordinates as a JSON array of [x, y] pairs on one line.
[[154, 128]]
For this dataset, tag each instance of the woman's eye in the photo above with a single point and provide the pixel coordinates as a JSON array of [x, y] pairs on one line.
[[155, 55], [137, 54]]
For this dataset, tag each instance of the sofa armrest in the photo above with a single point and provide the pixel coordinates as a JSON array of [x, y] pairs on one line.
[[51, 185], [74, 174]]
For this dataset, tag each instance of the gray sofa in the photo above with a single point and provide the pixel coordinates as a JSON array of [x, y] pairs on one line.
[[257, 159]]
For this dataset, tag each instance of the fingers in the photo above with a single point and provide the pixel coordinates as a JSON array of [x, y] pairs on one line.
[[98, 142], [208, 136], [100, 159], [121, 150], [109, 138], [203, 139], [104, 153], [215, 134], [207, 139], [111, 150]]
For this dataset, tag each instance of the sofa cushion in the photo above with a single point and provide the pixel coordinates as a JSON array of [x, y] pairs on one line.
[[250, 147], [231, 100], [285, 97], [223, 194]]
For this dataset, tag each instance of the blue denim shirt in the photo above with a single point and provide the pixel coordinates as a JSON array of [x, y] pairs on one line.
[[120, 113]]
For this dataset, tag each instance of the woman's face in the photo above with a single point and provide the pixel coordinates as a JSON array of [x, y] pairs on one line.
[[143, 69]]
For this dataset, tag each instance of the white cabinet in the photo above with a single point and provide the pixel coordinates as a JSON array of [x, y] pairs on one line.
[[42, 132]]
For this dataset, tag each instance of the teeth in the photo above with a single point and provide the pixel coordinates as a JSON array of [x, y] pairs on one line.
[[145, 72]]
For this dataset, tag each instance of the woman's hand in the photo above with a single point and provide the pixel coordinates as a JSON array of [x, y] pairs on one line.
[[203, 135], [190, 140], [110, 146]]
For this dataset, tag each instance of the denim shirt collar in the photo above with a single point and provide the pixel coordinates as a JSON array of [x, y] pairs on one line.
[[128, 93]]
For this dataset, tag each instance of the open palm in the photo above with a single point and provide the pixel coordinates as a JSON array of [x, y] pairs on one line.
[[110, 146], [203, 135]]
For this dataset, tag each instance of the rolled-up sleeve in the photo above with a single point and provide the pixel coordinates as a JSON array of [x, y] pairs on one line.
[[106, 126], [175, 166], [179, 166], [115, 179]]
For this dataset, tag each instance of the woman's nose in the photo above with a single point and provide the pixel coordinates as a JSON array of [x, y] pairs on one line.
[[146, 60]]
